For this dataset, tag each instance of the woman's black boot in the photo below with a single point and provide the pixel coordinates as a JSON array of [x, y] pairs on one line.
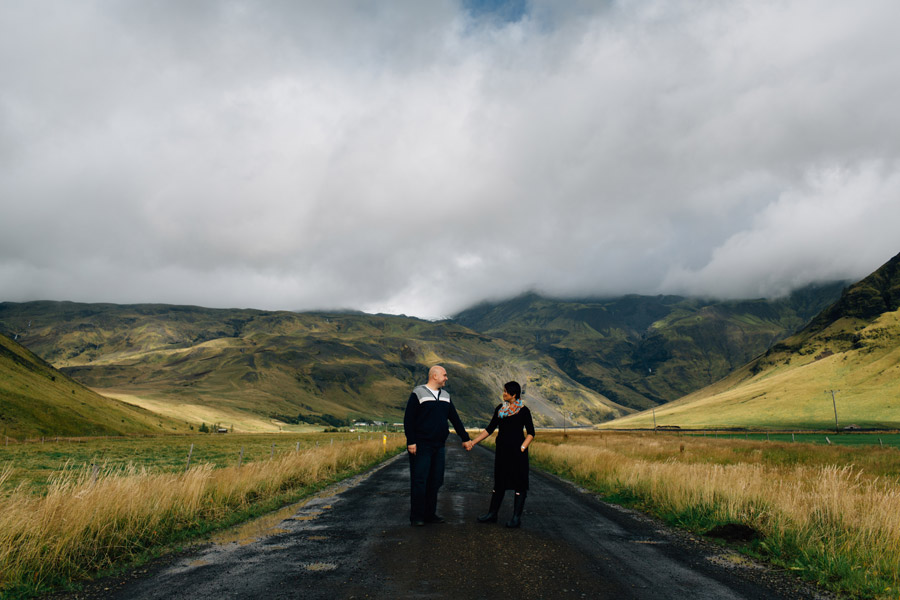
[[517, 511], [491, 515]]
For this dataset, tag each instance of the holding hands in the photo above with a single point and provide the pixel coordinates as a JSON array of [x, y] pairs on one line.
[[478, 438]]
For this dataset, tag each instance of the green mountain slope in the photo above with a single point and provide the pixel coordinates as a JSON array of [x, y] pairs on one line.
[[261, 370], [38, 400], [641, 351], [852, 347]]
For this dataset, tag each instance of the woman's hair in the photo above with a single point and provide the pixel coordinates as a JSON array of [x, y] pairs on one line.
[[513, 389]]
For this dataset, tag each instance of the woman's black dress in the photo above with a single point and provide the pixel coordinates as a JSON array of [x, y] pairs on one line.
[[510, 463]]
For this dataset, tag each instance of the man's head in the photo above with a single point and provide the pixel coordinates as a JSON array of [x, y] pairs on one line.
[[437, 377]]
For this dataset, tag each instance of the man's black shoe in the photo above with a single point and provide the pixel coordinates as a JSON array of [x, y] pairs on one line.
[[417, 523], [436, 519]]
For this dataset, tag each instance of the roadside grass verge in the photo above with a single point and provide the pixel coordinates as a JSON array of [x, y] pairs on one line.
[[81, 524], [827, 514]]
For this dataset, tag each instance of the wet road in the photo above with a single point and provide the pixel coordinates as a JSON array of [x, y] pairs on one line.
[[356, 542]]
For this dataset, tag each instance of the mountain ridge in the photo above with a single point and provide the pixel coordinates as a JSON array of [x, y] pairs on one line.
[[642, 351], [594, 359], [36, 399], [283, 367], [852, 347]]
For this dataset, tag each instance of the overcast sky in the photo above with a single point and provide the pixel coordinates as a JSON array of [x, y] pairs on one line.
[[419, 157]]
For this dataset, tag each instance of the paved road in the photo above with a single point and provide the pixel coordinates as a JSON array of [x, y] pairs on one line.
[[356, 542]]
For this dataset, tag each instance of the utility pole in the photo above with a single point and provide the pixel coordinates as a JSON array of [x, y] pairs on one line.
[[834, 404]]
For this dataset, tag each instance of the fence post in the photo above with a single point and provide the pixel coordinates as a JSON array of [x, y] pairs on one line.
[[241, 458], [190, 453], [880, 443], [96, 469], [792, 438], [298, 447], [272, 453], [827, 440]]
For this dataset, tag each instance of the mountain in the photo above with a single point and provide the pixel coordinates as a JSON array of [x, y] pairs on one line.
[[261, 370], [37, 400], [851, 347], [642, 351], [593, 360]]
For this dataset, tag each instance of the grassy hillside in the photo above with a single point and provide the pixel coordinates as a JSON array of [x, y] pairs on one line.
[[852, 346], [37, 400], [641, 351], [261, 370]]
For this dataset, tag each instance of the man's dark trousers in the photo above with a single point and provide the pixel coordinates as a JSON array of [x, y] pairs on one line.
[[426, 470]]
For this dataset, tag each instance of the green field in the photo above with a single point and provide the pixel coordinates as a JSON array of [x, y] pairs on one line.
[[840, 439], [35, 463]]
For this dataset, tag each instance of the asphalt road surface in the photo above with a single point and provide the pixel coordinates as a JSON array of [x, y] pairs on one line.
[[355, 541]]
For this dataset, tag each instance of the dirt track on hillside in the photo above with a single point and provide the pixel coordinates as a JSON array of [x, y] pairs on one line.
[[356, 542]]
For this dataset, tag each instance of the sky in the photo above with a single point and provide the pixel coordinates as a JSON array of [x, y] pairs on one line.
[[418, 158]]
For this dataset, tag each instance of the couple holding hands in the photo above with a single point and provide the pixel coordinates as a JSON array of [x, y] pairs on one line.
[[425, 424]]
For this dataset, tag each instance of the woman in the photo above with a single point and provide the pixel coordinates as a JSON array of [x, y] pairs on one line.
[[511, 457]]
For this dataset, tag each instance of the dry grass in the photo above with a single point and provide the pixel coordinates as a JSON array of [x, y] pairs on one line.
[[834, 522], [82, 525]]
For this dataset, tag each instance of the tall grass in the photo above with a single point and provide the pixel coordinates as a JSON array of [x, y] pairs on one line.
[[834, 523], [83, 524]]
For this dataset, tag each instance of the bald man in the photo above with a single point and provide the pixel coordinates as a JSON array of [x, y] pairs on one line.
[[425, 424]]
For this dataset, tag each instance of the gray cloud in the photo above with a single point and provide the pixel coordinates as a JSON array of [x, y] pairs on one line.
[[419, 157]]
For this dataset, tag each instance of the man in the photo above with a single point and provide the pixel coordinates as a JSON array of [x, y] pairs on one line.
[[425, 424]]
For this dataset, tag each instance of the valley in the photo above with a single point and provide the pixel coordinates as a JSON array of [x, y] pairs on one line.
[[851, 348], [643, 351], [628, 362], [271, 371]]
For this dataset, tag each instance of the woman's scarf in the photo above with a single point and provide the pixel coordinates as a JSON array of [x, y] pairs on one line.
[[510, 408]]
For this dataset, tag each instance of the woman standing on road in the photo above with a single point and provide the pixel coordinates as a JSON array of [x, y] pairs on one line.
[[511, 458]]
